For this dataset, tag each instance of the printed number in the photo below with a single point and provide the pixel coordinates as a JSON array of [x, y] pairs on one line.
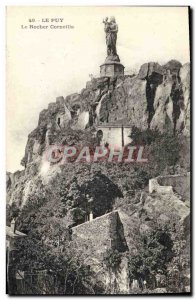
[[31, 20]]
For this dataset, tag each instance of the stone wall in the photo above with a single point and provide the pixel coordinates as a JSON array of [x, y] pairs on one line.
[[93, 239], [99, 235], [179, 184]]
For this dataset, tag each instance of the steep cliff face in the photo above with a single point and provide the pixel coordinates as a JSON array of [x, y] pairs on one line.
[[184, 117], [157, 98]]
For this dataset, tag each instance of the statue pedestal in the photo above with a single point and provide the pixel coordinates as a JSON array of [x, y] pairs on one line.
[[110, 69]]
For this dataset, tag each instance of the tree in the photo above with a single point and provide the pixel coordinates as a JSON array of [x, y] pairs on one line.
[[66, 272], [154, 253]]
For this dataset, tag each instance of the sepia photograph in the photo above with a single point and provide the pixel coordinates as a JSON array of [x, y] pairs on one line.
[[98, 150]]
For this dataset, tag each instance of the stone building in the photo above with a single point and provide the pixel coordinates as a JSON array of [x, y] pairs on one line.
[[115, 135], [94, 240]]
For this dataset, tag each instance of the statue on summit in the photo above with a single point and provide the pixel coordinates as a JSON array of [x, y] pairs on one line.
[[112, 66], [111, 29]]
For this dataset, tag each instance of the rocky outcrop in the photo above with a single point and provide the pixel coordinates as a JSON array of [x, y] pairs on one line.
[[168, 199], [157, 98], [173, 66], [168, 101], [184, 118], [152, 71], [13, 181], [170, 195]]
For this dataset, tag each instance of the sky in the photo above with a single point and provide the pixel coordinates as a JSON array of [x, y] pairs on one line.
[[43, 64]]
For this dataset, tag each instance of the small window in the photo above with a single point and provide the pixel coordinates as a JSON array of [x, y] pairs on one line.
[[59, 121], [99, 134]]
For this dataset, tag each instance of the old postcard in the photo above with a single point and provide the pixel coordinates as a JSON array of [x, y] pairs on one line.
[[98, 150]]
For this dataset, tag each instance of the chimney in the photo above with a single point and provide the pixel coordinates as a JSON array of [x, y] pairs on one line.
[[13, 225]]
